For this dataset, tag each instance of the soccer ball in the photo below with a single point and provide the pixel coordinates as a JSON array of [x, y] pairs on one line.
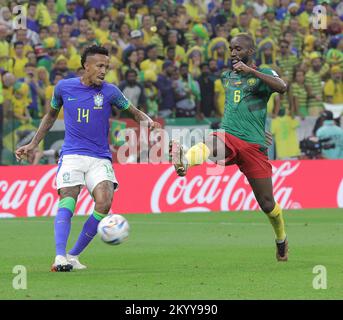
[[113, 229]]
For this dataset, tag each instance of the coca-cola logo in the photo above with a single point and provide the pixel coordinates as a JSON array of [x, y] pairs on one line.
[[224, 193], [40, 197]]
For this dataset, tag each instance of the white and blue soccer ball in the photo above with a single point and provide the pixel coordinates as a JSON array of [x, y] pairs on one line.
[[114, 229]]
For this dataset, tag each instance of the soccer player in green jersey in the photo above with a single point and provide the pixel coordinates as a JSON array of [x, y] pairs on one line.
[[243, 140]]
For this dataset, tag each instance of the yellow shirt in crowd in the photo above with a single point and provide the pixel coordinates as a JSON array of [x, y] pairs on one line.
[[219, 89], [286, 140], [334, 90]]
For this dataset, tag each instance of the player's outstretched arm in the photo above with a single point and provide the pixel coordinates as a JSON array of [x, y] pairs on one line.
[[273, 81], [44, 127], [140, 116]]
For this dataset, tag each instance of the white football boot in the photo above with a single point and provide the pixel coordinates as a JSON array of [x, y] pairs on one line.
[[61, 264], [74, 261]]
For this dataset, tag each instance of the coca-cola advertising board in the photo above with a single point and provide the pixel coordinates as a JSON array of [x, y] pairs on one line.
[[30, 191]]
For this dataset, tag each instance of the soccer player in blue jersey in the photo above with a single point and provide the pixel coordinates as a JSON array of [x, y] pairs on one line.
[[85, 156]]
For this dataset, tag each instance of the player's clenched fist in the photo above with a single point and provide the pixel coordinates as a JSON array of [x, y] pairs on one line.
[[25, 152], [242, 67]]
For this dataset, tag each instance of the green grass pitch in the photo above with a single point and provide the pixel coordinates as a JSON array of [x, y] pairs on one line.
[[181, 256]]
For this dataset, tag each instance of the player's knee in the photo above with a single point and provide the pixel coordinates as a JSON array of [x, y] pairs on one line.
[[71, 192], [267, 205], [103, 205]]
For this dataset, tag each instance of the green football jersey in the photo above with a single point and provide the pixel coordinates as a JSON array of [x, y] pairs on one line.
[[246, 99]]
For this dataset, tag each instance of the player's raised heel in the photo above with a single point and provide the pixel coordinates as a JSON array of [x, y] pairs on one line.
[[61, 264], [177, 157], [74, 261], [282, 251]]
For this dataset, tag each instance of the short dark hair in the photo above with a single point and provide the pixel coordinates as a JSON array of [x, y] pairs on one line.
[[284, 41], [204, 64], [247, 38], [130, 71], [91, 51], [18, 43], [29, 64], [327, 115]]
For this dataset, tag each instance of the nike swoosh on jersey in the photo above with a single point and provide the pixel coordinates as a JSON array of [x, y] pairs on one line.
[[71, 99]]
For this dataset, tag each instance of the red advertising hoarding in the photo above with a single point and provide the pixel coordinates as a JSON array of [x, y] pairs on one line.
[[29, 191]]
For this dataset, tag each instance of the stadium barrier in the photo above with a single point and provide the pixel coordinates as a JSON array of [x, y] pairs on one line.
[[29, 191]]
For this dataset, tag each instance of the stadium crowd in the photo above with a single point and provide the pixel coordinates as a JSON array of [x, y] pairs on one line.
[[167, 56]]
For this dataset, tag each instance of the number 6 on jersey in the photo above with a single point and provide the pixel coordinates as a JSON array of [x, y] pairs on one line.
[[236, 96]]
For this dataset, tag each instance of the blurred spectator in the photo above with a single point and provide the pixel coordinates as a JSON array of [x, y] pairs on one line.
[[35, 91], [260, 8], [32, 22], [152, 62], [103, 32], [136, 41], [334, 56], [333, 89], [286, 61], [133, 90], [331, 131], [28, 37], [206, 84], [220, 13], [297, 35], [68, 16], [195, 9], [133, 19], [21, 101], [130, 62], [61, 66], [51, 8], [180, 54], [151, 93], [19, 60], [147, 29], [313, 83], [4, 47], [306, 17], [274, 25], [6, 18], [284, 131], [165, 87], [298, 94], [49, 90], [187, 94], [159, 39], [124, 36], [219, 94]]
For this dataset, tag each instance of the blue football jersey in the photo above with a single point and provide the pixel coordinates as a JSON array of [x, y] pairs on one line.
[[87, 111]]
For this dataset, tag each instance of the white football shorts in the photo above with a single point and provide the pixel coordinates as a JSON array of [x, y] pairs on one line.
[[74, 170]]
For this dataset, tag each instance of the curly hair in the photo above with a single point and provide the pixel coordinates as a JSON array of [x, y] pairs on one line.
[[91, 51]]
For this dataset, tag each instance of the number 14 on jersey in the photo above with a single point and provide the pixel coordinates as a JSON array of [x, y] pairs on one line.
[[82, 115]]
